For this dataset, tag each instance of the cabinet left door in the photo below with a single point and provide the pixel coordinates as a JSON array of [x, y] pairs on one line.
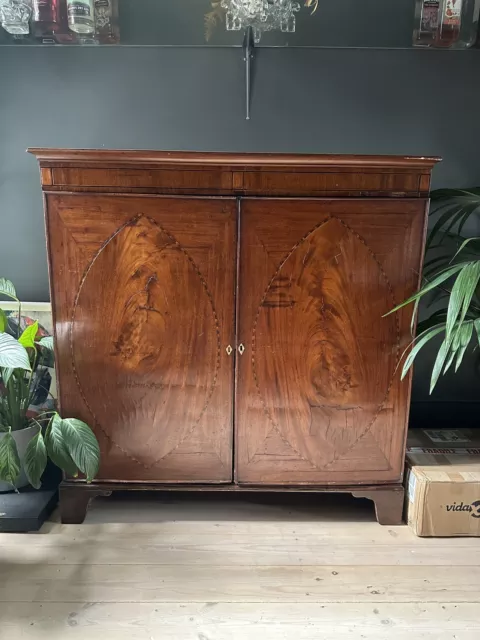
[[143, 301]]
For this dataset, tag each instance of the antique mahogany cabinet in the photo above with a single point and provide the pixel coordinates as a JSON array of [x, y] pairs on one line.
[[220, 318]]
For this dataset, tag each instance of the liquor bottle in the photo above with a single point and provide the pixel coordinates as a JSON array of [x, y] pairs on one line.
[[107, 28], [81, 16], [449, 23], [15, 16], [46, 16], [469, 26], [426, 22], [62, 34], [458, 23]]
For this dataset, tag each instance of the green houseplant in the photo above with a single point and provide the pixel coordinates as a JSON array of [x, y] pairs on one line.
[[26, 442], [451, 282]]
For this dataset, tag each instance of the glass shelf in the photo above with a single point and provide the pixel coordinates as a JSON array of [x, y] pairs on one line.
[[336, 23]]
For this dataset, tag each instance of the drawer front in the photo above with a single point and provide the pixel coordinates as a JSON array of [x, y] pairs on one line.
[[165, 179], [298, 183]]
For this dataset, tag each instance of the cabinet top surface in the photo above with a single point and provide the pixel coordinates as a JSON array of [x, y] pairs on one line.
[[104, 157]]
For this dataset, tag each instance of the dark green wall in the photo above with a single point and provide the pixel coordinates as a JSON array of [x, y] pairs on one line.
[[305, 100]]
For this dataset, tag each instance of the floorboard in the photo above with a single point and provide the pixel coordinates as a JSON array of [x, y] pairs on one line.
[[261, 568]]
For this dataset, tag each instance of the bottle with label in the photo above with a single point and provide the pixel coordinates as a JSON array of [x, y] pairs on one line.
[[449, 23], [470, 22], [15, 16], [64, 35], [426, 22], [107, 28], [458, 23], [81, 16], [46, 16]]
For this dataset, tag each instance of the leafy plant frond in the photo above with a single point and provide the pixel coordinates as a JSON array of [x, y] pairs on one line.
[[9, 459], [429, 286], [461, 296], [455, 207], [70, 443], [27, 338], [7, 289], [57, 448], [12, 354], [3, 321], [46, 343], [35, 460], [82, 446], [420, 342], [452, 276]]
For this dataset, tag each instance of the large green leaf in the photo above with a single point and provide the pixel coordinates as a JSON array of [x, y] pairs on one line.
[[441, 277], [27, 339], [439, 362], [7, 289], [465, 337], [46, 343], [57, 449], [9, 460], [35, 460], [421, 342], [461, 296], [82, 446], [476, 324], [12, 354], [466, 242], [3, 321]]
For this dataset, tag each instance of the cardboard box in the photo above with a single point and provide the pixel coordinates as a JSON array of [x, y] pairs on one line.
[[443, 482]]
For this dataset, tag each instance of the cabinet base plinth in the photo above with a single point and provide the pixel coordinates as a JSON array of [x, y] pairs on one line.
[[75, 497]]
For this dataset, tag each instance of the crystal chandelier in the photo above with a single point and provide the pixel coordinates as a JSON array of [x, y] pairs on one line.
[[261, 15]]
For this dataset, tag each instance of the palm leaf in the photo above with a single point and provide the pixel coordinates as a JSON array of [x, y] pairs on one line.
[[420, 343], [433, 320], [461, 296], [466, 242], [465, 337], [439, 362], [443, 194], [451, 211], [441, 277]]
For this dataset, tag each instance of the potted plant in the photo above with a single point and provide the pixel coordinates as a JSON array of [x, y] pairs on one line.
[[451, 278], [27, 442]]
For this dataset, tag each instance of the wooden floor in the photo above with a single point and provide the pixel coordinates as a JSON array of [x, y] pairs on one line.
[[236, 568]]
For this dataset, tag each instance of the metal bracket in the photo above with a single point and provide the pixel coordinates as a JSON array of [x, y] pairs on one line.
[[248, 56]]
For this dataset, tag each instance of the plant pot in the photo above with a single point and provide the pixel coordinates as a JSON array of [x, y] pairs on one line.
[[22, 438]]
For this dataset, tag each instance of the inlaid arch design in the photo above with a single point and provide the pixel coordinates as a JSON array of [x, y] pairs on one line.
[[150, 309], [315, 324]]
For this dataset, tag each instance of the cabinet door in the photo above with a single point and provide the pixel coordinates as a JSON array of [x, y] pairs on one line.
[[143, 299], [319, 398]]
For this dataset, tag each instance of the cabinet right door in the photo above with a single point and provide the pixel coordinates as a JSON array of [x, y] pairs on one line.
[[319, 398]]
